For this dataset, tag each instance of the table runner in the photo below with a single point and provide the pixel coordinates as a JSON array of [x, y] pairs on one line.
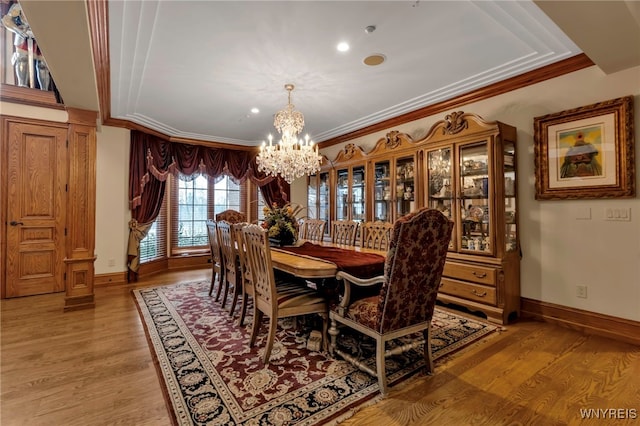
[[361, 265]]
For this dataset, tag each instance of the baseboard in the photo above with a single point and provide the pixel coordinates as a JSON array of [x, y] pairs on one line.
[[110, 279], [577, 319]]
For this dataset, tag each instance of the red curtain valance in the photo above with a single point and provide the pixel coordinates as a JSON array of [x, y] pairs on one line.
[[153, 156]]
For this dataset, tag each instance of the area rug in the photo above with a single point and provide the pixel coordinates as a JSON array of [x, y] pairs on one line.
[[212, 377]]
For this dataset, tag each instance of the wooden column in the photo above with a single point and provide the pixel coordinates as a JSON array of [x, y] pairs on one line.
[[81, 208]]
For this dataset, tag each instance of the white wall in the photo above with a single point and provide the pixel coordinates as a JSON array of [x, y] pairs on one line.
[[112, 206], [561, 251]]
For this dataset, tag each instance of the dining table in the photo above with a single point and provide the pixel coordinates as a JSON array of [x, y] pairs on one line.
[[319, 260]]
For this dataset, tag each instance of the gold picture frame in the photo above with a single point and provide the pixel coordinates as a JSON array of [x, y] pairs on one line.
[[586, 152]]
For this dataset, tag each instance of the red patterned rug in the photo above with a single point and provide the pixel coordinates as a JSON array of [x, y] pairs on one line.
[[212, 377]]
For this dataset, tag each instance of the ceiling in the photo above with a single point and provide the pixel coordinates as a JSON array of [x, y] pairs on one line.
[[195, 69]]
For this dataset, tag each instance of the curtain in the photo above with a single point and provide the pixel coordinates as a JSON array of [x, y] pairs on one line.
[[151, 161]]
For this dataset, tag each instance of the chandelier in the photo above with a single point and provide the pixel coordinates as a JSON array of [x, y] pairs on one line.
[[291, 157]]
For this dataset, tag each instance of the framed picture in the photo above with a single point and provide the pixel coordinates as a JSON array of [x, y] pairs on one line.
[[587, 152]]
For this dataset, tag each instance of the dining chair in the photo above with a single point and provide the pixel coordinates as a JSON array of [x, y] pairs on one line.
[[344, 232], [246, 280], [216, 258], [406, 301], [230, 263], [287, 299], [313, 229], [231, 216], [376, 235]]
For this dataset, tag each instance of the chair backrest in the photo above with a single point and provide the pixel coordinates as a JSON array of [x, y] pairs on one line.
[[344, 232], [259, 259], [241, 249], [413, 269], [212, 233], [231, 216], [313, 229], [228, 249], [376, 235]]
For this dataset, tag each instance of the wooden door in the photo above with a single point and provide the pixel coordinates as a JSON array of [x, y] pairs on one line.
[[36, 184]]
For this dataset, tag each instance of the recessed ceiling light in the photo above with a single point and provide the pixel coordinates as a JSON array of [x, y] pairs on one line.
[[375, 59], [343, 46], [255, 110]]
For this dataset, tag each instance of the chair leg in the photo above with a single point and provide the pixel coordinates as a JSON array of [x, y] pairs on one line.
[[380, 367], [257, 319], [213, 281], [273, 325], [221, 280], [325, 326], [428, 356], [234, 301], [333, 334], [243, 308], [225, 291]]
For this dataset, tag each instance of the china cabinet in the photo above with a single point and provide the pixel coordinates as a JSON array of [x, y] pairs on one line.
[[464, 167], [350, 185], [471, 175]]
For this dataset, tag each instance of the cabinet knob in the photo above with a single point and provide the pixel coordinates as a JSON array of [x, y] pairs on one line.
[[479, 274], [477, 293]]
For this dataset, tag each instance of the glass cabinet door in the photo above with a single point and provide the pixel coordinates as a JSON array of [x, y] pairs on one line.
[[440, 194], [405, 186], [323, 200], [342, 194], [358, 194], [382, 191], [312, 196], [510, 197], [474, 206]]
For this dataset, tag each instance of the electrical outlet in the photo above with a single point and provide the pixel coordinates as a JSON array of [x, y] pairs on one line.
[[111, 262], [581, 291], [620, 215]]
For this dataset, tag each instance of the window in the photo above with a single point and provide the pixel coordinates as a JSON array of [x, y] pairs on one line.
[[227, 196], [192, 212], [154, 245], [193, 201]]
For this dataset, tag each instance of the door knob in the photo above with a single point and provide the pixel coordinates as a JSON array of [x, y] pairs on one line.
[[14, 223]]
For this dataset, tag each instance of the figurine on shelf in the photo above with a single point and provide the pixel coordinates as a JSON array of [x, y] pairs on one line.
[[408, 193]]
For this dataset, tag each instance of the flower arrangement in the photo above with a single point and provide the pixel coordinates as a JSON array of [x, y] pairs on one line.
[[282, 223]]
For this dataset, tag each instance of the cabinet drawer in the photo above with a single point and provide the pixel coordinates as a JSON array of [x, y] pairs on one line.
[[469, 291], [478, 274]]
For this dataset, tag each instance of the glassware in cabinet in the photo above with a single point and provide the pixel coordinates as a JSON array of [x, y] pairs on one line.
[[351, 193], [510, 214], [440, 193], [382, 191], [405, 186], [475, 198]]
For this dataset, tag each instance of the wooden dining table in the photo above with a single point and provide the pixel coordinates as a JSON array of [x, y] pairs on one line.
[[310, 267]]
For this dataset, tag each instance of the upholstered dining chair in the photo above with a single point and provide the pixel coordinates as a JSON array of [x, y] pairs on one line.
[[216, 258], [246, 280], [406, 302], [230, 263], [376, 235], [287, 299], [231, 216], [344, 232], [313, 229]]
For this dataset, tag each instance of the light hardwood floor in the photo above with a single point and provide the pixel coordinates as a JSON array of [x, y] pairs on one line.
[[94, 367]]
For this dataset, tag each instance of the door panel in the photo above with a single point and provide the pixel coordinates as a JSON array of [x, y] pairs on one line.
[[36, 179]]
